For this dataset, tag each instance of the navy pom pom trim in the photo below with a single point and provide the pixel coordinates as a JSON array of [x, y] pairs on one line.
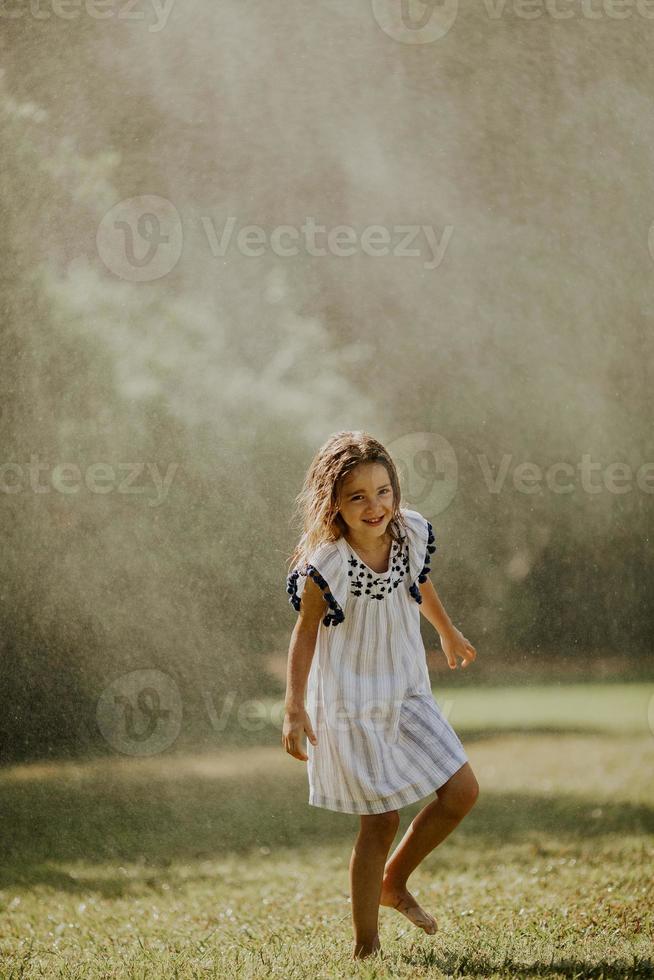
[[335, 615], [422, 577]]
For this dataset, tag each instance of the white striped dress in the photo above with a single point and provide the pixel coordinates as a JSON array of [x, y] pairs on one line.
[[382, 740]]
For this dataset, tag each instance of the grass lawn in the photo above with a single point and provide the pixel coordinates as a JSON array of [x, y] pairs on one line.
[[213, 863], [601, 708]]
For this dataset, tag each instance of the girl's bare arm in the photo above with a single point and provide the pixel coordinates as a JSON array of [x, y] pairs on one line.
[[453, 642], [313, 608]]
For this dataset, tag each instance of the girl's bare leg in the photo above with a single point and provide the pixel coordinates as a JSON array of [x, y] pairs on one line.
[[427, 829], [366, 870]]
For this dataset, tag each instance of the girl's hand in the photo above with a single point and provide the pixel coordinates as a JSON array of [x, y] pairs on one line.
[[455, 645], [296, 723]]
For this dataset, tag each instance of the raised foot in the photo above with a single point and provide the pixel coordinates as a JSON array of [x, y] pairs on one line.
[[400, 898]]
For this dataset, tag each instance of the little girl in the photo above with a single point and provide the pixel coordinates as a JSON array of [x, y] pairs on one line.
[[359, 582]]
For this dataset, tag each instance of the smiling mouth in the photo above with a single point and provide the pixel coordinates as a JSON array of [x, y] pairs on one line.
[[374, 523]]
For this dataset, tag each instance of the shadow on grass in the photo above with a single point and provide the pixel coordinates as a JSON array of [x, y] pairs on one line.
[[477, 965], [158, 822], [469, 734]]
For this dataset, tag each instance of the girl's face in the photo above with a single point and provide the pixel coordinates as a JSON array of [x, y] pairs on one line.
[[366, 502]]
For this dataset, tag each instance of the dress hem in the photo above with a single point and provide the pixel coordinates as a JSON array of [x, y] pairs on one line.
[[404, 797]]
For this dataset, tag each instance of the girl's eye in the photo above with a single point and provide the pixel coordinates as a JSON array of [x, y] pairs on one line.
[[358, 496]]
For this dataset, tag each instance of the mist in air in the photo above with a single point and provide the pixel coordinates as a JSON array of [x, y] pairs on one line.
[[229, 231]]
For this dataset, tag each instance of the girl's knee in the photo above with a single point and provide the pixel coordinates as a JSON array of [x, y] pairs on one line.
[[382, 824], [471, 793], [459, 794]]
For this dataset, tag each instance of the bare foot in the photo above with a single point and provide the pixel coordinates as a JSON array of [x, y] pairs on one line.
[[361, 950], [398, 897]]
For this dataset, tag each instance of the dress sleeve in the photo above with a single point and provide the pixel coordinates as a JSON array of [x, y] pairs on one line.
[[326, 567], [422, 544]]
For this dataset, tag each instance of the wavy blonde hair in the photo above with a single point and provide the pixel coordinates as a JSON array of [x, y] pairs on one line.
[[317, 504]]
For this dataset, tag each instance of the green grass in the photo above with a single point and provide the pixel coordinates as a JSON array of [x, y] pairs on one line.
[[213, 863], [619, 708]]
